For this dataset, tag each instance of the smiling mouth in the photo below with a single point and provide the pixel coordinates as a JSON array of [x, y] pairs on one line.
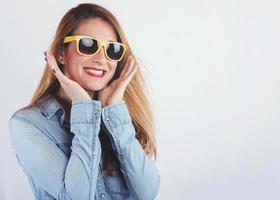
[[99, 73]]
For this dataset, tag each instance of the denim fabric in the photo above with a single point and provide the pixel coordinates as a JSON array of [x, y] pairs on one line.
[[62, 160]]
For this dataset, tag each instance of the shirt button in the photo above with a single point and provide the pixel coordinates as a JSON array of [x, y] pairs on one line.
[[95, 111], [102, 195], [107, 119]]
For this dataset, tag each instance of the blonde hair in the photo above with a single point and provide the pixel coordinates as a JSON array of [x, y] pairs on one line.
[[136, 97]]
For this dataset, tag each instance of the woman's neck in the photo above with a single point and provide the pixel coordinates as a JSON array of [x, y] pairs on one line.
[[61, 94]]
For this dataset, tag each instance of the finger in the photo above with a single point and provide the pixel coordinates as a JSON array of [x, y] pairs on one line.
[[53, 64], [126, 66], [129, 68], [133, 72]]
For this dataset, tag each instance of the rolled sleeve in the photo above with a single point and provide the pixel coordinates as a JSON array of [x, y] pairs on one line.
[[116, 114], [45, 162], [139, 170], [85, 111]]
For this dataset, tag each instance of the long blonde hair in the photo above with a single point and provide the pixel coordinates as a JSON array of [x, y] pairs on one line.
[[136, 97]]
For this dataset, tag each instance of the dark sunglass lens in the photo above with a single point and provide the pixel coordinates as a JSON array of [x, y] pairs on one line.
[[88, 46], [115, 51]]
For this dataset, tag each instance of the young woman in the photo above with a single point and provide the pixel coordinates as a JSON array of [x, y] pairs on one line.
[[88, 132]]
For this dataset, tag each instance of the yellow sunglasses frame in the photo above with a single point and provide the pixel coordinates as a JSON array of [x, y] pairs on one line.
[[100, 45]]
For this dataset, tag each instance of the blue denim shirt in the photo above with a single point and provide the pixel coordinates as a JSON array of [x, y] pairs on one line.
[[62, 160]]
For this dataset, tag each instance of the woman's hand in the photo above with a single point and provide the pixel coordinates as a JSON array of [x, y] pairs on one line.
[[71, 88], [115, 91]]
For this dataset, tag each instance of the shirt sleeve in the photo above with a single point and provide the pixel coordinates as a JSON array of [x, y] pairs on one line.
[[41, 159], [139, 170]]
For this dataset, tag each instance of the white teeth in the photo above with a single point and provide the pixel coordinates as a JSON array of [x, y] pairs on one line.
[[97, 72]]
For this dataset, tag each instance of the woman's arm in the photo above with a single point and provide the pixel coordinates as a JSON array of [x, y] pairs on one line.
[[42, 160], [139, 170]]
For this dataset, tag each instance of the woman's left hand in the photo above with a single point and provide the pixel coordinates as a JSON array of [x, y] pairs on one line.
[[115, 91]]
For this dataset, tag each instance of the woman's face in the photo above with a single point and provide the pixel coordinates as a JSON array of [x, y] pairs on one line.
[[75, 63]]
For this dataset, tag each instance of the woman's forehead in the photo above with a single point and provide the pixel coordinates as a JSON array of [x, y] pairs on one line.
[[97, 28]]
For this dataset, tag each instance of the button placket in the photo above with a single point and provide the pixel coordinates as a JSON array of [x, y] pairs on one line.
[[101, 190], [102, 195]]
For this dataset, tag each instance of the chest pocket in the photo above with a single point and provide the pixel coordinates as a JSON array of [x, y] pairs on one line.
[[115, 184]]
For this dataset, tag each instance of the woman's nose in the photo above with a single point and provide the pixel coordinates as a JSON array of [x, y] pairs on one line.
[[100, 55]]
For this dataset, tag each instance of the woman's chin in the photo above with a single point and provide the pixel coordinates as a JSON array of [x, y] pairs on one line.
[[94, 88]]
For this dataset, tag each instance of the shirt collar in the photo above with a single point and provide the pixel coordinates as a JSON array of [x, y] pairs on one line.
[[51, 106]]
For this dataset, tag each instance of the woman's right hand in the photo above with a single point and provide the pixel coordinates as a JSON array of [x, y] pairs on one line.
[[71, 88]]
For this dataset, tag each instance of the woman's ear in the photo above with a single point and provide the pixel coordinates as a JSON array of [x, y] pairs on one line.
[[61, 58]]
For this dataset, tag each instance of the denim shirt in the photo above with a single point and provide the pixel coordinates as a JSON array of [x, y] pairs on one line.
[[62, 160]]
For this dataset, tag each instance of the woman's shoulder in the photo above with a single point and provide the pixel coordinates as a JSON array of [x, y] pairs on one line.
[[27, 113], [28, 120], [33, 114], [25, 125], [25, 122]]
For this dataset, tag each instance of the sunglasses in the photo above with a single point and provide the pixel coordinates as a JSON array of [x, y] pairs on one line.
[[89, 46]]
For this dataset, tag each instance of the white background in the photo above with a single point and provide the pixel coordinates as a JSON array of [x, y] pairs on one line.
[[214, 70]]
